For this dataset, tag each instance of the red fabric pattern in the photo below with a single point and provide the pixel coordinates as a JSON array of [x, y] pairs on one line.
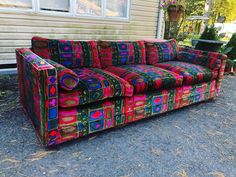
[[121, 53], [191, 73], [146, 77]]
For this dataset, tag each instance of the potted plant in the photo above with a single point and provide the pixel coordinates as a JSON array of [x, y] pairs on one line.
[[229, 67], [232, 44], [230, 50], [209, 40], [174, 9], [234, 66]]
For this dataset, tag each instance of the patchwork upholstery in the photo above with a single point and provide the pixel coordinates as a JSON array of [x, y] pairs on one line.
[[210, 60], [126, 90], [146, 77], [121, 53], [72, 54], [80, 121], [157, 52], [191, 73], [94, 85], [198, 92], [67, 79], [38, 93]]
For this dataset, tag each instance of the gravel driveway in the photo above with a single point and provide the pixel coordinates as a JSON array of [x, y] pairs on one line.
[[199, 140]]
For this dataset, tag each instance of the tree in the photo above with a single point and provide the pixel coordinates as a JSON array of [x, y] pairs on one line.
[[216, 8], [223, 8], [194, 7]]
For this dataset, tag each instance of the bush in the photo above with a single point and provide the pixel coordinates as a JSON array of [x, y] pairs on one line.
[[232, 44], [208, 34]]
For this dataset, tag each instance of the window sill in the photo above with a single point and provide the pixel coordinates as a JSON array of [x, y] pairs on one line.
[[62, 14]]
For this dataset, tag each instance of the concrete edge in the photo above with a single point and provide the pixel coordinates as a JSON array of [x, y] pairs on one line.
[[10, 71]]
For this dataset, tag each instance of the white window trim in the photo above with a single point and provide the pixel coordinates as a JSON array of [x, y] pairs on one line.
[[72, 11], [54, 12]]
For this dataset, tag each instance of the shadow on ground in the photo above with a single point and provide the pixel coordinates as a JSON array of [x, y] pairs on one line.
[[199, 140]]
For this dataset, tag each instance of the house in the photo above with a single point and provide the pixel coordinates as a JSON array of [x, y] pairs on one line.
[[75, 19]]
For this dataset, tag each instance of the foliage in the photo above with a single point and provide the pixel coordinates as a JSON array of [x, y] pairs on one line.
[[188, 29], [230, 63], [210, 34], [232, 43], [172, 3], [225, 50], [194, 7], [223, 8]]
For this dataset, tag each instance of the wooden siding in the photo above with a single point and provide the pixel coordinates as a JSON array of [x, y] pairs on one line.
[[17, 29]]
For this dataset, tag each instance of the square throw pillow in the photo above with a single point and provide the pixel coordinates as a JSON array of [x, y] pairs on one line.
[[114, 53], [157, 52], [69, 53]]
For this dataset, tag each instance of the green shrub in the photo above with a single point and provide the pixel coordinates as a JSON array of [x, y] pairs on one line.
[[208, 34], [229, 63], [232, 44]]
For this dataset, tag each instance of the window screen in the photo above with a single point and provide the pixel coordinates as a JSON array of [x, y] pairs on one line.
[[55, 5]]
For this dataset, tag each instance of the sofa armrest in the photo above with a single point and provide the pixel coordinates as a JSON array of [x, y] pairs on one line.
[[67, 78], [213, 60], [39, 93], [221, 72]]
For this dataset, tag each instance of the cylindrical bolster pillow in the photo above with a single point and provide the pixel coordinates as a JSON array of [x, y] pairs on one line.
[[67, 78]]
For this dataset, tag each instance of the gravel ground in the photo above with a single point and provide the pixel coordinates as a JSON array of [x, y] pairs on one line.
[[199, 140]]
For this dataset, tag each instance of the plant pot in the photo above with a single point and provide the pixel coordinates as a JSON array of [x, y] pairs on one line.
[[175, 13], [234, 69], [207, 45]]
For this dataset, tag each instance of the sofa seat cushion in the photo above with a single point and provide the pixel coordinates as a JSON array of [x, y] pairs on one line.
[[191, 73], [146, 77], [94, 85]]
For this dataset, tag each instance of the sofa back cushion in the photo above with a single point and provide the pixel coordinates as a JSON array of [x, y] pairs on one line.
[[157, 52], [113, 53], [210, 60], [72, 54]]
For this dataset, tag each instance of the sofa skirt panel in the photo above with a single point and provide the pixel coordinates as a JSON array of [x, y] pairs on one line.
[[80, 121]]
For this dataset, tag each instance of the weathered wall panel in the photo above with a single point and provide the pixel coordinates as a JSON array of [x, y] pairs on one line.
[[16, 29]]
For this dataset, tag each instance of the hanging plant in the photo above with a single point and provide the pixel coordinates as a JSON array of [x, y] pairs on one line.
[[174, 8]]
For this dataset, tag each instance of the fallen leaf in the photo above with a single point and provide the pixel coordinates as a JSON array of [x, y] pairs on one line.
[[182, 174]]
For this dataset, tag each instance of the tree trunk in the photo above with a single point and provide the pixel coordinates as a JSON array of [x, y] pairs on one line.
[[208, 7]]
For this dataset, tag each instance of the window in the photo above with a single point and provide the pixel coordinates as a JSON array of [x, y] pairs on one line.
[[118, 9], [17, 4], [89, 7], [55, 5]]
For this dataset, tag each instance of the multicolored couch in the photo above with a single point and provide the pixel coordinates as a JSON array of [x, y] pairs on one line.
[[70, 89]]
